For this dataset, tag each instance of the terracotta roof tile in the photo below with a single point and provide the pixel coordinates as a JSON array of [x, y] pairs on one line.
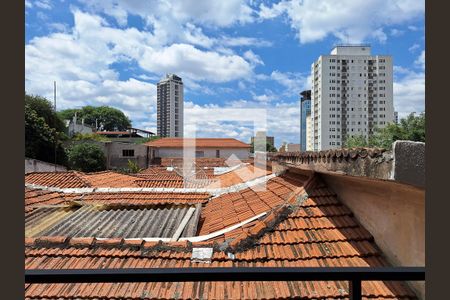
[[73, 179], [317, 232], [199, 143]]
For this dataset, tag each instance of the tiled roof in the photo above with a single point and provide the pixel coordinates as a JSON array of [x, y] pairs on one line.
[[170, 179], [242, 174], [74, 179], [199, 143], [164, 174], [38, 197], [172, 183], [109, 179], [305, 226], [70, 179], [203, 161], [140, 198]]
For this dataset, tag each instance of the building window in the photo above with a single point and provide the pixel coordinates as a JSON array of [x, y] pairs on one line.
[[199, 153], [217, 153], [128, 152]]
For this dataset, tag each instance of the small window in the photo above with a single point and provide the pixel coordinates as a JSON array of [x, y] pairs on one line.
[[128, 152], [217, 153], [199, 154]]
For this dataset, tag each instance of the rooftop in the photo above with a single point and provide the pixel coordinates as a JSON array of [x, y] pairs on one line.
[[199, 143], [297, 221]]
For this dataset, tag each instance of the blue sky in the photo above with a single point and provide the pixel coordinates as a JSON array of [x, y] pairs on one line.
[[232, 54]]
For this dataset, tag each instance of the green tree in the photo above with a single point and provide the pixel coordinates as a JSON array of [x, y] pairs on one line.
[[45, 110], [411, 128], [43, 131], [87, 157], [356, 141], [108, 118], [133, 167]]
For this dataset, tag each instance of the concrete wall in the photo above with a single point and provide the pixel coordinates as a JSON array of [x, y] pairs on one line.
[[393, 213], [115, 158], [34, 165], [241, 153]]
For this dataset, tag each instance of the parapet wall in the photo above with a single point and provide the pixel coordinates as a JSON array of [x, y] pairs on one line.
[[405, 163]]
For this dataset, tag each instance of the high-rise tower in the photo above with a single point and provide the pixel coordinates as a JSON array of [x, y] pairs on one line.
[[170, 106]]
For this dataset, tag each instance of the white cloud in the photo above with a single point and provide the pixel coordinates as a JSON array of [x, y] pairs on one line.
[[215, 13], [195, 64], [409, 91], [413, 48], [348, 20], [243, 41], [28, 4], [60, 27], [283, 120], [253, 58], [397, 32], [294, 82], [420, 61], [80, 62], [44, 4]]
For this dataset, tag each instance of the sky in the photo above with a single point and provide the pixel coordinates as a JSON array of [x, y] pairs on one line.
[[235, 57]]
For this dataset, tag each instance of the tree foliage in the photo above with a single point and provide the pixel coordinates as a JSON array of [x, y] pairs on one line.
[[108, 118], [411, 128], [87, 157], [43, 131]]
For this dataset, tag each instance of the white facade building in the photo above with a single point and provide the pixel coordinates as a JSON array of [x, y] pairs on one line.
[[352, 93], [309, 134], [170, 100]]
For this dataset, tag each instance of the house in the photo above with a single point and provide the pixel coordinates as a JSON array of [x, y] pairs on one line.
[[131, 135], [204, 147], [118, 153], [316, 210]]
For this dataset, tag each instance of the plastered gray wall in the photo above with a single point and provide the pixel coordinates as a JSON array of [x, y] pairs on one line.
[[34, 165]]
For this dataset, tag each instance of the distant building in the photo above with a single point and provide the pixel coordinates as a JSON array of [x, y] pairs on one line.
[[289, 147], [118, 153], [204, 147], [130, 135], [352, 93], [396, 117], [309, 134], [305, 111], [170, 98], [261, 135], [78, 127], [292, 147]]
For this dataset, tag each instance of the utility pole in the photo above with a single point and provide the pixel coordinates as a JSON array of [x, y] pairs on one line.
[[54, 107]]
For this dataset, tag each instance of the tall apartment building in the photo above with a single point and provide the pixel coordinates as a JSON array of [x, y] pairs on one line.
[[170, 106], [352, 93], [305, 111]]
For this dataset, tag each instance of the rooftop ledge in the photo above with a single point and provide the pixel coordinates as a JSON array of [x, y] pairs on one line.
[[405, 163]]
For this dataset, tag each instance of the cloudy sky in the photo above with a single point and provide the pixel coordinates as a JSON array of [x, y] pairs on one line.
[[233, 55]]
